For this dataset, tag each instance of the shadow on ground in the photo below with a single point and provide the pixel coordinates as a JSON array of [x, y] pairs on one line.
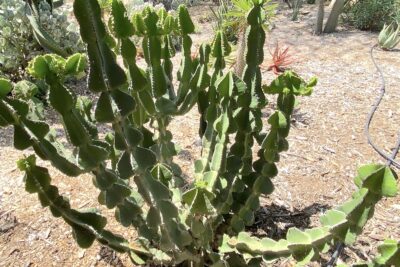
[[274, 221]]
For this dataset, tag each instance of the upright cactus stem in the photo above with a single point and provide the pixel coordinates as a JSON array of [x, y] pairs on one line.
[[194, 222]]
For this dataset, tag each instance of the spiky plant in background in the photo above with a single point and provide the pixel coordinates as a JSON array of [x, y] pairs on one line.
[[371, 14], [281, 59], [389, 36], [202, 223]]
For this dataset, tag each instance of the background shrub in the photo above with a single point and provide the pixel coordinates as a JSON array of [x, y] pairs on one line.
[[372, 14]]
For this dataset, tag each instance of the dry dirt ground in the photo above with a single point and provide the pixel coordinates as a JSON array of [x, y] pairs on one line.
[[327, 146]]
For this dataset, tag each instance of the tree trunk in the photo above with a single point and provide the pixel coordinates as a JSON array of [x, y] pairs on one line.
[[241, 49], [320, 17], [337, 8]]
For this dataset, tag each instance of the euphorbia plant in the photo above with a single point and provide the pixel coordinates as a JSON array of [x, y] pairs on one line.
[[203, 222]]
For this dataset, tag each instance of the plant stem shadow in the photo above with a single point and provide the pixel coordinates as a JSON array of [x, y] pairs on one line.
[[274, 221]]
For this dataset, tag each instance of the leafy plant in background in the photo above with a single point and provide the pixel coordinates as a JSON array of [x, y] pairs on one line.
[[220, 16], [389, 36], [235, 13], [371, 14], [203, 222], [17, 40]]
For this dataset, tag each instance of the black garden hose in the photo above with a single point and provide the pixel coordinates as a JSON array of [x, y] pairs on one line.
[[390, 160]]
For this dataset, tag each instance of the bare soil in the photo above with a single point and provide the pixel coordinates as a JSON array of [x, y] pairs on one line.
[[327, 145]]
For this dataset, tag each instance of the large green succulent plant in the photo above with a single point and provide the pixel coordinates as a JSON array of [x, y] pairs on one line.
[[203, 222]]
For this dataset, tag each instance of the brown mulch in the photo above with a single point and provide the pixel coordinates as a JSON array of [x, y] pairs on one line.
[[327, 145]]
